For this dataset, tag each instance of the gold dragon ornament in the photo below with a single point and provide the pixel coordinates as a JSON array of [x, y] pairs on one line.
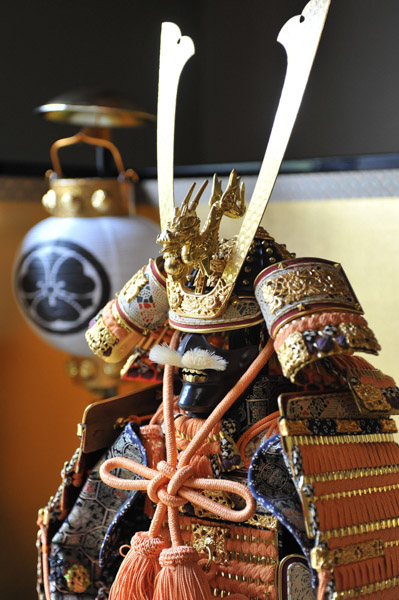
[[195, 255]]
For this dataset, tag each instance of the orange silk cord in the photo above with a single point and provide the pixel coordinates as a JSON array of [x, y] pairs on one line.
[[268, 424], [45, 559], [317, 322], [172, 485]]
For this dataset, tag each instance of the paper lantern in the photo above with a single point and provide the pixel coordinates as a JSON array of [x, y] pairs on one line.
[[69, 268], [72, 263]]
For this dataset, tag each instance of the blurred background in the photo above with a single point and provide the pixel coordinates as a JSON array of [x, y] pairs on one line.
[[228, 95]]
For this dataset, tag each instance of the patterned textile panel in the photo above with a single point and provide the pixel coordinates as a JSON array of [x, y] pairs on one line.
[[75, 571]]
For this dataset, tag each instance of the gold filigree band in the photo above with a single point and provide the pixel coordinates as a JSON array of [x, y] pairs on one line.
[[100, 339], [298, 351], [303, 286], [322, 558]]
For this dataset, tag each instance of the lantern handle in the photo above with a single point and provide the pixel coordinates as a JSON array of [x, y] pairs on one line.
[[82, 137]]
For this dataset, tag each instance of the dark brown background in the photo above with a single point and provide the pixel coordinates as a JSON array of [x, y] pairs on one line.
[[229, 90]]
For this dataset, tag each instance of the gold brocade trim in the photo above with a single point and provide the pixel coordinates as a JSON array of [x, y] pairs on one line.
[[242, 537], [369, 527], [368, 589], [132, 288], [302, 282], [294, 354], [319, 440], [216, 593], [303, 427], [358, 492], [254, 559], [328, 559], [351, 474], [100, 338], [348, 426], [244, 579]]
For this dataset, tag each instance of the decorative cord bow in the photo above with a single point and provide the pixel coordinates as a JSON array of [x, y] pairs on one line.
[[171, 485]]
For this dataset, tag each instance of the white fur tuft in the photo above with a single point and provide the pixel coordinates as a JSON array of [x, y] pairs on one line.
[[201, 359], [163, 355]]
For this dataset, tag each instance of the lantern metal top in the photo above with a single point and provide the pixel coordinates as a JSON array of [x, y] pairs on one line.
[[94, 108]]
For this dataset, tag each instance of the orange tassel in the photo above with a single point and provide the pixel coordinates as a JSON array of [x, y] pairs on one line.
[[181, 577], [136, 575], [324, 578]]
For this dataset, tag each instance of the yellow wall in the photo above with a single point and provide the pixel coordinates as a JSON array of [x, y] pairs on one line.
[[41, 406]]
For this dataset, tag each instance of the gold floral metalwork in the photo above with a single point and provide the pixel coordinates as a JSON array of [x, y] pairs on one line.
[[368, 589], [263, 521], [295, 285], [327, 559], [132, 288], [219, 497], [100, 338], [371, 397], [288, 427], [359, 336], [212, 537], [294, 354], [347, 426], [187, 247], [207, 306]]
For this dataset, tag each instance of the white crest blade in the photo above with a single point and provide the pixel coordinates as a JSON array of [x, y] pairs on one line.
[[300, 37], [175, 52]]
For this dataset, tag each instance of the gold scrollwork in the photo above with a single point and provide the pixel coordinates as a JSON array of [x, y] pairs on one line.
[[207, 306], [336, 557], [300, 283], [293, 354], [100, 338], [132, 288], [207, 536]]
